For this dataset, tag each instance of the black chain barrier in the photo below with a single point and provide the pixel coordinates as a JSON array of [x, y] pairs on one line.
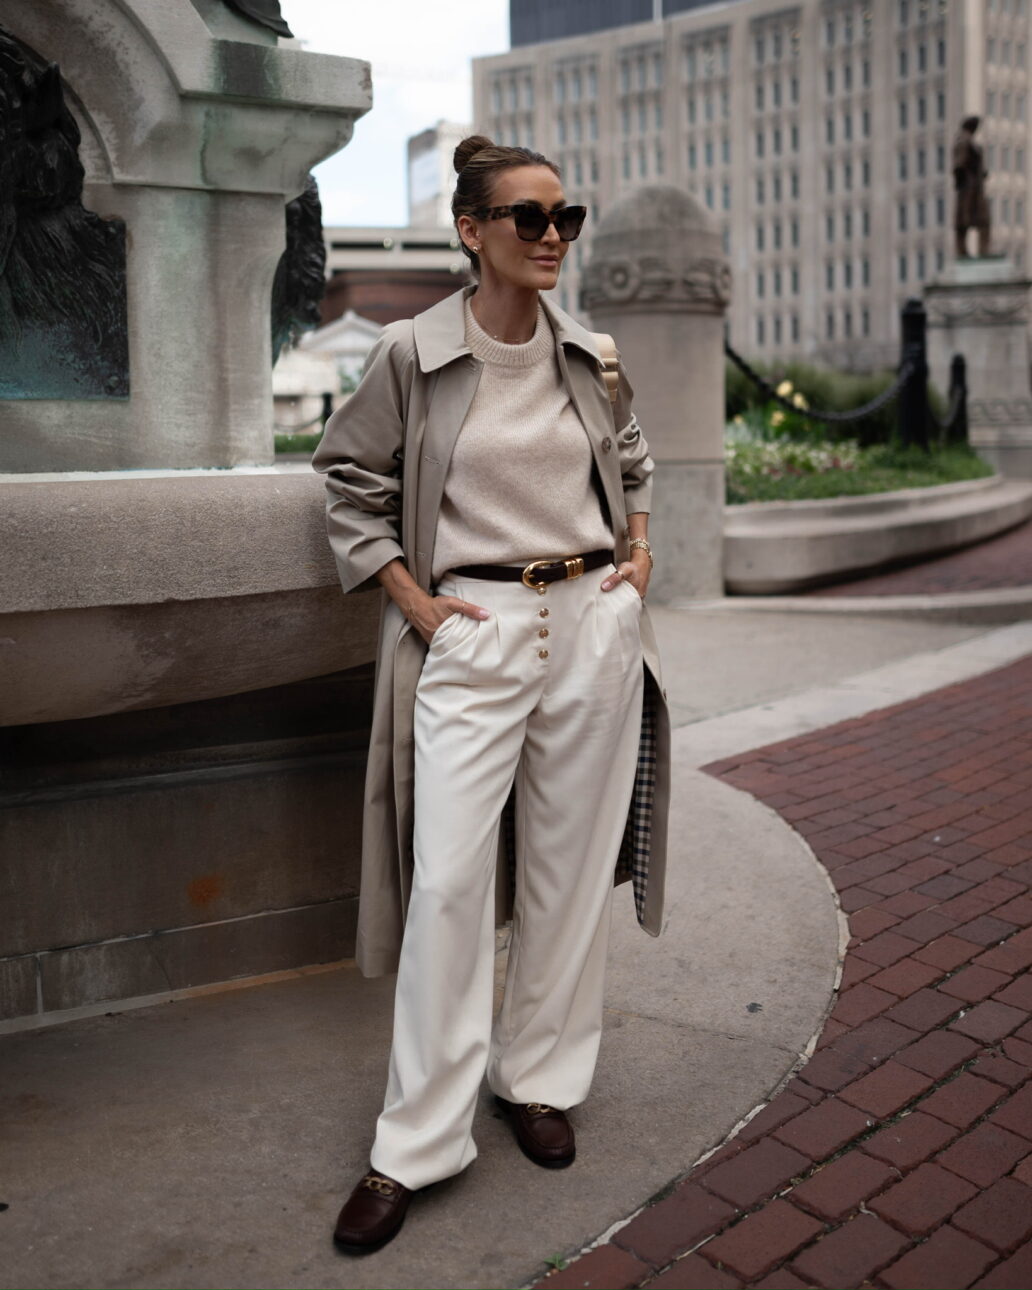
[[828, 418], [303, 426]]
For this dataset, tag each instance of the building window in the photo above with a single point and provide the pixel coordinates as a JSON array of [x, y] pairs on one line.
[[776, 140], [709, 152], [760, 285], [592, 82], [795, 326], [795, 279], [759, 143], [560, 129], [793, 86], [643, 168], [725, 196], [940, 211], [759, 96], [902, 268], [901, 217], [794, 136], [847, 224], [691, 156], [829, 227], [940, 106], [940, 53], [865, 321], [829, 325], [865, 172], [829, 276], [865, 70], [707, 104], [777, 282], [940, 158], [689, 64], [759, 49], [496, 98], [725, 150], [901, 165], [776, 185], [776, 231], [777, 329], [578, 129], [902, 63], [709, 196], [829, 129], [660, 160], [657, 115], [795, 232], [865, 222], [691, 110], [575, 86], [847, 323], [760, 191], [847, 175], [829, 178], [626, 164], [922, 57], [760, 236], [922, 110], [775, 90], [847, 126], [829, 80], [592, 125], [560, 87], [920, 158], [865, 272], [865, 123], [759, 331], [625, 76], [847, 274], [793, 182], [920, 266], [920, 212], [902, 114], [829, 32], [847, 77]]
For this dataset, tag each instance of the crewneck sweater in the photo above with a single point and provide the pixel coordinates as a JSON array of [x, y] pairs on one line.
[[519, 485]]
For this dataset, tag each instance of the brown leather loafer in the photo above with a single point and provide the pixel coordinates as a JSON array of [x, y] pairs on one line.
[[372, 1214], [544, 1134]]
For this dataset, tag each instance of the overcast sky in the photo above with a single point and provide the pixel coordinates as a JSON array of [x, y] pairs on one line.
[[420, 52]]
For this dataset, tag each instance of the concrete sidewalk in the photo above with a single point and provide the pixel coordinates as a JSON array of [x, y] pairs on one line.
[[209, 1141]]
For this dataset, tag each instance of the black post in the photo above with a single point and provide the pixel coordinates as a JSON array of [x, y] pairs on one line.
[[957, 427], [327, 408], [913, 397]]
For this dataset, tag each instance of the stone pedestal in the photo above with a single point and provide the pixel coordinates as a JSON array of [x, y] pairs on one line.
[[980, 308], [196, 132], [659, 283]]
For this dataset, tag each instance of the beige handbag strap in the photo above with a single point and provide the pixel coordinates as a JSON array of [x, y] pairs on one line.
[[610, 362]]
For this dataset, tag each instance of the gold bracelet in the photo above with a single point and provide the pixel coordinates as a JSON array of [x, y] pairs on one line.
[[641, 545]]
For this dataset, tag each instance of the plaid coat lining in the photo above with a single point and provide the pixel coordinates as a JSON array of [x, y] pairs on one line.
[[632, 862]]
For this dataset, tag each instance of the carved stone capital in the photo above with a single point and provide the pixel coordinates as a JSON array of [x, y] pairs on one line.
[[1000, 412], [700, 284], [980, 307]]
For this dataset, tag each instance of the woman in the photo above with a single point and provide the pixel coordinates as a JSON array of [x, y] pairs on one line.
[[481, 475]]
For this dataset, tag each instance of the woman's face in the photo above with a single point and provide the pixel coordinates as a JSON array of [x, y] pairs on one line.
[[504, 257]]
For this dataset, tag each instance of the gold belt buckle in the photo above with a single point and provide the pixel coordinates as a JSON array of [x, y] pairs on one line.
[[574, 568]]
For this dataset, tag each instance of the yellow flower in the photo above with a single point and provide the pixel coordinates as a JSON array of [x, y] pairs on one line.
[[785, 389], [800, 400], [737, 421], [776, 418]]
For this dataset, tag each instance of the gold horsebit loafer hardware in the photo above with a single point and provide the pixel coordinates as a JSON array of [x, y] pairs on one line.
[[574, 568], [539, 1108], [382, 1186]]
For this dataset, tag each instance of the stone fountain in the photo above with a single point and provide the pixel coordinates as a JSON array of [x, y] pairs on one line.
[[179, 801]]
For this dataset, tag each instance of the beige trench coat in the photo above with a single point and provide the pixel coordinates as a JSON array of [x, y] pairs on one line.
[[401, 425]]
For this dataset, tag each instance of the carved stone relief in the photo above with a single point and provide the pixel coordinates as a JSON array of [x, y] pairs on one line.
[[702, 284], [946, 309]]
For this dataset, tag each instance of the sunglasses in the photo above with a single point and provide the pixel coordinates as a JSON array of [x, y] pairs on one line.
[[532, 222]]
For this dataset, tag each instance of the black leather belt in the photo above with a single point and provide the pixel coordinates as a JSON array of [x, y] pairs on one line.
[[538, 573]]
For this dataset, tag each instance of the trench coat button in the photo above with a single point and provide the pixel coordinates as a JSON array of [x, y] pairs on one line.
[[543, 631], [607, 443], [542, 613], [542, 653]]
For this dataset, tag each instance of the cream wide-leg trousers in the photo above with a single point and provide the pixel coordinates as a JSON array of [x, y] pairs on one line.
[[547, 691]]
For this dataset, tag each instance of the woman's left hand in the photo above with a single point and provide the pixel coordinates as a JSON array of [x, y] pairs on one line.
[[636, 571]]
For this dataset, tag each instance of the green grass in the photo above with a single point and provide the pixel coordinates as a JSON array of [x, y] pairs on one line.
[[298, 442], [880, 469]]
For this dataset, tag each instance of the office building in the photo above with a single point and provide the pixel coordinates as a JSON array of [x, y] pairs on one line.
[[818, 133]]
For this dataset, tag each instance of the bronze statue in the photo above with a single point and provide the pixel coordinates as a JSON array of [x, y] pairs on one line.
[[63, 312], [971, 209]]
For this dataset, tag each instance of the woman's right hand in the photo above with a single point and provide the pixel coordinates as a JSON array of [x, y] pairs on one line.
[[427, 613]]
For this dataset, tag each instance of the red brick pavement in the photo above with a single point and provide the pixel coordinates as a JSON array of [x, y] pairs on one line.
[[1005, 561], [900, 1155]]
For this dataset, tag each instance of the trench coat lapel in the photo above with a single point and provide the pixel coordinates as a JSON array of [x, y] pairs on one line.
[[444, 356]]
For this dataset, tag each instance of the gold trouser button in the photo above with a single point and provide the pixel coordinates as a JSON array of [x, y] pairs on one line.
[[543, 631], [542, 613], [542, 653]]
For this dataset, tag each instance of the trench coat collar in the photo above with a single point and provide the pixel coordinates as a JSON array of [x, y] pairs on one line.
[[440, 331]]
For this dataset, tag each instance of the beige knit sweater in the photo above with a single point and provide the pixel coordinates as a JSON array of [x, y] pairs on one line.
[[519, 485]]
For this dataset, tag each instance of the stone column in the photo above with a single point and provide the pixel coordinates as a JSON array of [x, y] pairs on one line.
[[981, 309], [659, 283]]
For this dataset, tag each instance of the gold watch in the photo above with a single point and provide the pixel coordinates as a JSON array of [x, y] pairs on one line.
[[641, 545]]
